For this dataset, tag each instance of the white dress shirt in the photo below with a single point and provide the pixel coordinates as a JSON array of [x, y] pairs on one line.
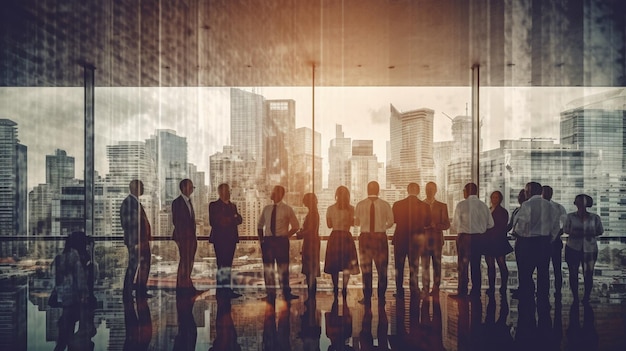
[[536, 217], [472, 216]]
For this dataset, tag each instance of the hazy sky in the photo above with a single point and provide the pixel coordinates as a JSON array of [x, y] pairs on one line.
[[52, 118]]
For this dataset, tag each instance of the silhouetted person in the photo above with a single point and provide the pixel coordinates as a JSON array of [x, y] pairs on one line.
[[556, 244], [496, 244], [412, 216], [510, 228], [338, 327], [277, 223], [224, 219], [187, 335], [583, 228], [137, 236], [311, 243], [225, 332], [472, 218], [184, 219], [434, 236], [138, 325], [374, 216], [534, 227], [340, 249], [71, 288]]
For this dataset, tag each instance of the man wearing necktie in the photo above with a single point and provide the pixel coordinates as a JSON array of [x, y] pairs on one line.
[[374, 216], [184, 219], [276, 224], [137, 236]]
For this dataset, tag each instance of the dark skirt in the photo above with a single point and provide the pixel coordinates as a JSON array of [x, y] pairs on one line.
[[311, 257], [341, 253], [495, 244]]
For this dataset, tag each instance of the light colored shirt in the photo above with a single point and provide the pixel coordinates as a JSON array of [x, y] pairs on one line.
[[583, 233], [472, 216], [188, 203], [340, 219], [285, 217], [560, 216], [383, 215], [536, 217]]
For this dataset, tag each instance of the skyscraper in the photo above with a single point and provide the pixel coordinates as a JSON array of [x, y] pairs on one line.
[[339, 153], [59, 169], [364, 167], [13, 194], [246, 125], [411, 147], [278, 135], [301, 172], [169, 154]]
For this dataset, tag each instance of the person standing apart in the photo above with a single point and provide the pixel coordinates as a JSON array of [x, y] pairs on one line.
[[434, 236], [374, 216], [471, 220], [311, 244], [224, 219], [556, 244], [583, 228], [409, 240], [276, 224], [535, 225], [137, 237], [340, 250], [184, 219]]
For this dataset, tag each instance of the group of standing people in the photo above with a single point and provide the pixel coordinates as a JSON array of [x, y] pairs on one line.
[[537, 226]]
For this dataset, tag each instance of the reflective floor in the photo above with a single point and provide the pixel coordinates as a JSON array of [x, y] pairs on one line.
[[206, 322]]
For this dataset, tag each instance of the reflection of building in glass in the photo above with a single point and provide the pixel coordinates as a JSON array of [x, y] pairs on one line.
[[200, 196], [339, 153], [302, 159], [246, 126], [278, 133], [364, 167], [169, 152], [411, 147], [13, 186], [596, 125], [13, 316]]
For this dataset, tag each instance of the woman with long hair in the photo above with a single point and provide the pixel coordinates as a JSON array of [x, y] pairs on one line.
[[311, 243], [497, 244], [341, 250], [583, 228]]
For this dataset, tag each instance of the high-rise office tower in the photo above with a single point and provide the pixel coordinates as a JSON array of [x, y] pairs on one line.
[[303, 161], [13, 186], [247, 112], [59, 169], [278, 135], [339, 153], [364, 167], [596, 125], [169, 154], [411, 147]]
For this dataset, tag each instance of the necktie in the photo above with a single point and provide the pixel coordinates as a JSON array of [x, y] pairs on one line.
[[193, 214], [273, 221], [372, 218]]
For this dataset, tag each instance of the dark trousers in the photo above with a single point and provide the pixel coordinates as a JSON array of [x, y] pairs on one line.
[[414, 251], [432, 252], [139, 265], [187, 251], [468, 249], [556, 248], [534, 253], [224, 254], [373, 247], [275, 249]]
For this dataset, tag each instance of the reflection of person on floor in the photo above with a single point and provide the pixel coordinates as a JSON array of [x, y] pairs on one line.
[[137, 236], [276, 337], [71, 288], [338, 328], [497, 332], [310, 330], [225, 333], [187, 335], [366, 339], [585, 338], [224, 219], [138, 325], [311, 243], [277, 223]]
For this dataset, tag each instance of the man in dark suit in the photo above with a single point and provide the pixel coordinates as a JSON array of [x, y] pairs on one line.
[[412, 216], [184, 235], [434, 236], [137, 236], [224, 219]]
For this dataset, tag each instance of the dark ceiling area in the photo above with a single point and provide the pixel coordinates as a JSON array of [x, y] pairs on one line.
[[350, 42]]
